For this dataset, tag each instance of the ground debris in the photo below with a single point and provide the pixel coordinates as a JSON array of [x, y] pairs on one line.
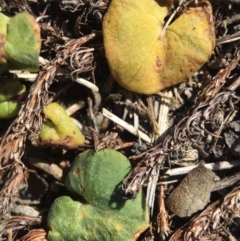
[[203, 113], [193, 193]]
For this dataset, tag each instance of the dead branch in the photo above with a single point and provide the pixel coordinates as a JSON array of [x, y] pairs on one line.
[[213, 107]]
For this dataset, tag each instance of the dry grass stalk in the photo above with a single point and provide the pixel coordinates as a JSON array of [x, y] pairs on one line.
[[162, 224], [126, 126], [191, 131], [35, 235], [29, 123], [18, 223]]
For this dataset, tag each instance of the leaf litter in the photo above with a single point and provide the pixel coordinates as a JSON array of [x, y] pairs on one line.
[[203, 118]]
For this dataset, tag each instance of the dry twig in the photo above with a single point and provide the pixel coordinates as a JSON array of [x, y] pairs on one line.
[[29, 123], [35, 235], [203, 120]]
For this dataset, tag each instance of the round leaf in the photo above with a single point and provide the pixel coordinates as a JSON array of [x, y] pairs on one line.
[[73, 221], [144, 59], [97, 176]]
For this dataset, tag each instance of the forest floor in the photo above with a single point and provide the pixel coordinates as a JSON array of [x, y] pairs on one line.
[[194, 122]]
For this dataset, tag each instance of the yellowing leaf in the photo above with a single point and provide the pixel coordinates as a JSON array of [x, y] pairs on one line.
[[59, 129], [143, 59]]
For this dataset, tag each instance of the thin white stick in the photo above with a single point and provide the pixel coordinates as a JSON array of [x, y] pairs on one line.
[[124, 124], [163, 125], [86, 83], [135, 121], [74, 108], [151, 187], [217, 166], [43, 61], [228, 41], [30, 77], [211, 166], [170, 19]]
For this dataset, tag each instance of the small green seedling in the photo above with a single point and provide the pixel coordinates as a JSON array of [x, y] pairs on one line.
[[97, 177], [59, 129]]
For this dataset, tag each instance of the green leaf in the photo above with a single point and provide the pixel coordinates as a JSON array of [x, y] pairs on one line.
[[70, 220], [23, 43], [9, 91], [97, 177], [108, 167], [3, 35]]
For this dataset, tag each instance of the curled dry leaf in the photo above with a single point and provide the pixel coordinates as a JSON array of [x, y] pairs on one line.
[[144, 59], [213, 222], [193, 193]]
